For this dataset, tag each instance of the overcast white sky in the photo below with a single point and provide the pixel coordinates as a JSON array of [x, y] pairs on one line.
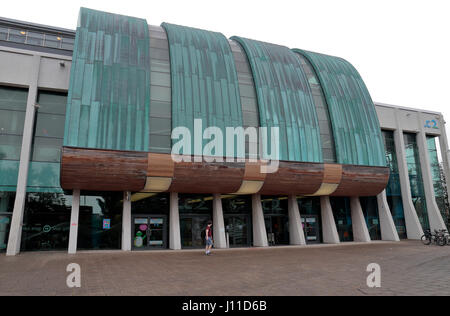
[[401, 48]]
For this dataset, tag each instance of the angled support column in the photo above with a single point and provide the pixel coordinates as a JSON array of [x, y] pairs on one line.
[[413, 228], [15, 232], [73, 234], [434, 214], [126, 222], [259, 226], [387, 225], [296, 234], [329, 230], [359, 224], [174, 229], [218, 223]]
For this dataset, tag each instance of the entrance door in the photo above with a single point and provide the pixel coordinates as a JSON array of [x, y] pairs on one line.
[[311, 229], [277, 228], [149, 232], [238, 230], [192, 228]]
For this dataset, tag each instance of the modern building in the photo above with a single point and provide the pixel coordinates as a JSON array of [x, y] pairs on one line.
[[86, 121]]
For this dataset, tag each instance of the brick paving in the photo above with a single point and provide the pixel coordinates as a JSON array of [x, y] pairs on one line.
[[407, 268]]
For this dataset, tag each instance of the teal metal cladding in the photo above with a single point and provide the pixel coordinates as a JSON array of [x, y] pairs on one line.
[[204, 81], [355, 124], [285, 99], [108, 101]]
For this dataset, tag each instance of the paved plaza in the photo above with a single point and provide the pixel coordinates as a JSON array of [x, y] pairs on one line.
[[407, 268]]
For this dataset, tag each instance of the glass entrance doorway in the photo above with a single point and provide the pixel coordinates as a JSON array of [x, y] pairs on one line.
[[149, 232], [238, 230], [311, 229], [277, 228], [193, 229]]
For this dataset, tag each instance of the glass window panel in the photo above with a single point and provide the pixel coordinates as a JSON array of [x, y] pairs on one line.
[[415, 178], [47, 149], [10, 147], [67, 43], [343, 217], [3, 33], [13, 98], [11, 122], [50, 125], [35, 38], [52, 41], [46, 221], [100, 221], [6, 209], [17, 36], [51, 102]]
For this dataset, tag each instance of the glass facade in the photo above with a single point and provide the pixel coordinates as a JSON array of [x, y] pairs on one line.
[[6, 209], [49, 127], [13, 102], [237, 210], [195, 212], [46, 223], [100, 220], [369, 206], [415, 178], [276, 218], [311, 218], [393, 189], [24, 36], [438, 178], [343, 217]]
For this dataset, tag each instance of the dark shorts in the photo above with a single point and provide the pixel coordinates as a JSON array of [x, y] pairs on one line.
[[209, 242]]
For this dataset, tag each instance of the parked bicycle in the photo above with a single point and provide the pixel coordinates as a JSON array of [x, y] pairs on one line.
[[439, 237]]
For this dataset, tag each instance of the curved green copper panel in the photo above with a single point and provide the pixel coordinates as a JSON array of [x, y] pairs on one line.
[[204, 81], [108, 101], [356, 129], [284, 99]]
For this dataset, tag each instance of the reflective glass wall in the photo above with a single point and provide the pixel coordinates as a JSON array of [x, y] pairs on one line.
[[237, 210], [310, 213], [100, 220], [195, 212], [6, 210], [13, 102], [46, 222], [276, 218], [343, 217], [369, 206], [415, 178], [393, 189], [438, 178]]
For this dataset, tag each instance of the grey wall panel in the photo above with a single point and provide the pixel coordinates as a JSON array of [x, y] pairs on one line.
[[160, 92]]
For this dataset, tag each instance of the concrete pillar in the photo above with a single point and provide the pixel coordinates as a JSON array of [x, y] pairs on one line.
[[329, 230], [218, 223], [434, 214], [387, 225], [259, 226], [413, 228], [296, 234], [174, 229], [126, 221], [359, 224], [73, 234], [15, 233]]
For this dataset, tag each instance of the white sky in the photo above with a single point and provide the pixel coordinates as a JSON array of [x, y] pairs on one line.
[[401, 48]]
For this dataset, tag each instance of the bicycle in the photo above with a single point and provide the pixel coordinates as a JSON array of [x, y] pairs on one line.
[[439, 237]]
